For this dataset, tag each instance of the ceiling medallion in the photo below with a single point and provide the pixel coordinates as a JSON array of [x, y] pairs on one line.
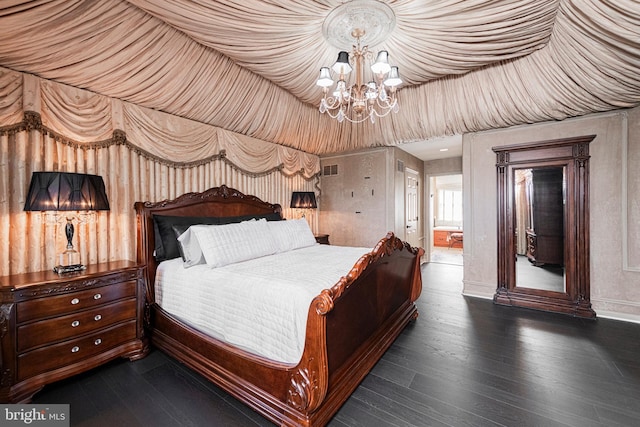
[[375, 18]]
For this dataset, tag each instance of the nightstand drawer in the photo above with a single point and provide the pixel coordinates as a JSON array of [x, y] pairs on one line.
[[51, 330], [69, 352], [73, 301], [58, 325]]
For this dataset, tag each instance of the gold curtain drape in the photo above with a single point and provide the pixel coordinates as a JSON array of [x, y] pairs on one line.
[[30, 241], [142, 155]]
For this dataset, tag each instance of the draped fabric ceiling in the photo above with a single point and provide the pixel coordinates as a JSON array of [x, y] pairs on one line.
[[249, 66]]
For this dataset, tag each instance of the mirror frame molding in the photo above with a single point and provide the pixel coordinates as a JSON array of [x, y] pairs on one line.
[[572, 153]]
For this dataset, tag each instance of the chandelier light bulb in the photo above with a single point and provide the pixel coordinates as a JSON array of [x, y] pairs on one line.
[[340, 91], [394, 78], [342, 66], [325, 79], [372, 90], [381, 66]]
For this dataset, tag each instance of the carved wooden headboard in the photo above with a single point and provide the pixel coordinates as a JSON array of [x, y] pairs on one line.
[[220, 202]]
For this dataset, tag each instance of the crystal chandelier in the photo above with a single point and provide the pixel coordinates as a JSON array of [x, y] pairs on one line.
[[359, 101]]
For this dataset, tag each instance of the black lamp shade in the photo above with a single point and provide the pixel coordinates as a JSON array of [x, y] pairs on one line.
[[341, 66], [303, 200], [63, 191]]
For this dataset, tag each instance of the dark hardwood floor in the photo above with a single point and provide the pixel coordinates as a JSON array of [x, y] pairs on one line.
[[464, 362]]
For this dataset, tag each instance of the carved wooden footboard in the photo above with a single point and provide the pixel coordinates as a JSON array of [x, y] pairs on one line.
[[356, 321], [349, 326]]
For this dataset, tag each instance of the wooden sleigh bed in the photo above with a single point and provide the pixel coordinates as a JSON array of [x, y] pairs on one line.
[[349, 326]]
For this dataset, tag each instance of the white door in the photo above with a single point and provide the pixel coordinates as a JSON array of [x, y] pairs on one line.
[[411, 207]]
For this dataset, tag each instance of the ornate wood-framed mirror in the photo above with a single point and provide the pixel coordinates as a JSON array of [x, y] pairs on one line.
[[543, 226]]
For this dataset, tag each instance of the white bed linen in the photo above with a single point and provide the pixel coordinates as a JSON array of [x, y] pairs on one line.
[[259, 305]]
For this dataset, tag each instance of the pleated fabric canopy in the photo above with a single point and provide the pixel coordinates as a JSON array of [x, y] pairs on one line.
[[250, 66]]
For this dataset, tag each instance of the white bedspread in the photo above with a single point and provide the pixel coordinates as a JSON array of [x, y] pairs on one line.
[[259, 305]]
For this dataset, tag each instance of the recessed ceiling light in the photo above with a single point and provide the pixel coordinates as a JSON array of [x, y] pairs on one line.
[[444, 149]]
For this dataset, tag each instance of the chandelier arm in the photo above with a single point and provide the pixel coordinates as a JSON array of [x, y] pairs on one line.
[[359, 101], [346, 117]]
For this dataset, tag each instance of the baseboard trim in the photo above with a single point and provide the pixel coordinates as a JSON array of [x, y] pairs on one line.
[[624, 317], [477, 289]]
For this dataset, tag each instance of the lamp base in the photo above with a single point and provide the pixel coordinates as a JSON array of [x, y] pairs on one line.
[[71, 259], [62, 269]]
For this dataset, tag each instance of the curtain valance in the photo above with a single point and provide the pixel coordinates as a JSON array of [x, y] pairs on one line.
[[88, 119]]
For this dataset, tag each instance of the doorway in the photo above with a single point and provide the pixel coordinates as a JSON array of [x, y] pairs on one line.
[[445, 214]]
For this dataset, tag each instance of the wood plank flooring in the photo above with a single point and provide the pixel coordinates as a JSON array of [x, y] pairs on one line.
[[464, 362]]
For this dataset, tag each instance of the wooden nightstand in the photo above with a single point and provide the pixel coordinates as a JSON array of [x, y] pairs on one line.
[[322, 239], [55, 326]]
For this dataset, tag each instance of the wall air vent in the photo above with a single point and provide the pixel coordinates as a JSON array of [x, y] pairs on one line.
[[400, 166], [330, 170]]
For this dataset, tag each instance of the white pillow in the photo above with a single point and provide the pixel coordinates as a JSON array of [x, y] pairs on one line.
[[190, 249], [229, 243], [291, 234]]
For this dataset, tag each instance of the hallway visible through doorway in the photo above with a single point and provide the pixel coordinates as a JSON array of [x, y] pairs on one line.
[[446, 220], [443, 255]]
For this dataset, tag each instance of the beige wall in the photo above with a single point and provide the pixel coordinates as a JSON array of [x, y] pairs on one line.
[[451, 165], [359, 205], [614, 206], [355, 209]]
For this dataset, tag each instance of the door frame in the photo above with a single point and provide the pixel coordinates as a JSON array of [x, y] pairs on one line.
[[420, 222]]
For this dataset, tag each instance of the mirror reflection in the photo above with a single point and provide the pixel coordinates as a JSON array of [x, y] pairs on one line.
[[540, 199]]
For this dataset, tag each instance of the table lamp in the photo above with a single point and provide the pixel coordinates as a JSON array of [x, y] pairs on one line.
[[64, 191], [303, 200]]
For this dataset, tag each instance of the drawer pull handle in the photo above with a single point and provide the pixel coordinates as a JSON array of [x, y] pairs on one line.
[[75, 301], [97, 342], [75, 324], [98, 317], [75, 349], [97, 296]]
